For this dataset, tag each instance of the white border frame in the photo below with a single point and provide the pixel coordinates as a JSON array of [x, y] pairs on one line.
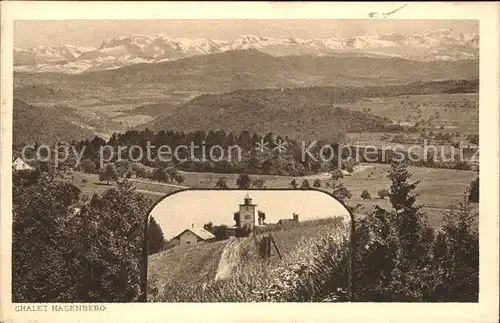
[[484, 311]]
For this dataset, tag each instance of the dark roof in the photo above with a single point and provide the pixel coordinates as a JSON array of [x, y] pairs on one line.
[[286, 220]]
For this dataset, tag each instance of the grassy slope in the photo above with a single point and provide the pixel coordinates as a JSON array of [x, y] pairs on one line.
[[195, 264], [309, 113], [44, 125], [187, 270]]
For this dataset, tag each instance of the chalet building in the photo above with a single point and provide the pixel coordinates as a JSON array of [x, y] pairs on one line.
[[192, 236], [293, 220], [247, 217], [20, 164]]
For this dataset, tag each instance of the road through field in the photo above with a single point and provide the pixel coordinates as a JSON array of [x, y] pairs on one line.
[[228, 263]]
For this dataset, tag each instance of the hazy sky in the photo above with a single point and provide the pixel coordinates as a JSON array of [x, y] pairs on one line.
[[91, 33], [179, 211]]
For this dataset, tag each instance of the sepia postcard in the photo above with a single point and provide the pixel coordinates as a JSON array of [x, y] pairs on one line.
[[249, 162]]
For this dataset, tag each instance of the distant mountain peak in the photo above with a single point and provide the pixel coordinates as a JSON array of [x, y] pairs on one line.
[[442, 44]]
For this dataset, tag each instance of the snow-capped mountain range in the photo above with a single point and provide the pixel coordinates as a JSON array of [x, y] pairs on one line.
[[127, 50]]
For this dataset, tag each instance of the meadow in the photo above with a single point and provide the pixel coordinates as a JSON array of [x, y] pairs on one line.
[[437, 191], [454, 112], [189, 273]]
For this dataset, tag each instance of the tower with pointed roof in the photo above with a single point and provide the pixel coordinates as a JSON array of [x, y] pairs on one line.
[[248, 213]]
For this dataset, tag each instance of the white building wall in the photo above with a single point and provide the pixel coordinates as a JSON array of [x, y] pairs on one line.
[[187, 238], [247, 215]]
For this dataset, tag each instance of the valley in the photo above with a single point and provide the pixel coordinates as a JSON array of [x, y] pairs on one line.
[[192, 169]]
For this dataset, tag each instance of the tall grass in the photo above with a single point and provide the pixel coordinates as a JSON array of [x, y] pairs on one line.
[[315, 270]]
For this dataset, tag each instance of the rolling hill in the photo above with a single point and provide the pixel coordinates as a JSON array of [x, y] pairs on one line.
[[233, 70], [306, 113], [44, 125]]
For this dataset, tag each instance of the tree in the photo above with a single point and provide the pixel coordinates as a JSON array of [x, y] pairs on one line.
[[241, 232], [456, 253], [219, 231], [108, 174], [62, 253], [396, 246], [44, 239], [171, 171], [341, 193], [243, 181], [236, 218], [411, 224], [156, 240], [88, 166], [473, 191], [365, 195], [138, 169], [123, 168], [337, 174], [114, 221], [317, 182], [208, 226], [221, 183], [383, 193], [294, 184], [179, 178], [258, 183], [305, 184], [261, 217], [141, 172], [160, 175]]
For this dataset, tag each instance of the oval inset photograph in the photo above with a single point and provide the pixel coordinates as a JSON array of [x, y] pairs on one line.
[[247, 246]]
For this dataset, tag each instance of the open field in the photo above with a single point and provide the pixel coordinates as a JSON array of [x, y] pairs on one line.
[[437, 190], [455, 112]]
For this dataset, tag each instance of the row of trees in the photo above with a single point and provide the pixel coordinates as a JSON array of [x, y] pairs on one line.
[[292, 161], [68, 250], [124, 169], [400, 257]]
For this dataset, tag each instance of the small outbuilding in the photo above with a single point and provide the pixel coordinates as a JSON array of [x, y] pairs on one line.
[[20, 164], [193, 235]]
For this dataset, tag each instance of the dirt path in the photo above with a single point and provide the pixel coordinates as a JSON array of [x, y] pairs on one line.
[[229, 260], [157, 183]]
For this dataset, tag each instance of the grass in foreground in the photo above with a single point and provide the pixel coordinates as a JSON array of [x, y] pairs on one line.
[[254, 279]]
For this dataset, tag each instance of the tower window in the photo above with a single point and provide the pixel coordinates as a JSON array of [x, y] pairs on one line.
[[247, 216]]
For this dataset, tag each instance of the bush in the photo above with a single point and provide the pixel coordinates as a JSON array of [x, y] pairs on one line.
[[156, 241], [241, 232], [305, 184], [383, 193], [221, 183], [108, 174], [179, 178], [365, 195], [160, 175], [258, 183], [243, 181], [474, 191]]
